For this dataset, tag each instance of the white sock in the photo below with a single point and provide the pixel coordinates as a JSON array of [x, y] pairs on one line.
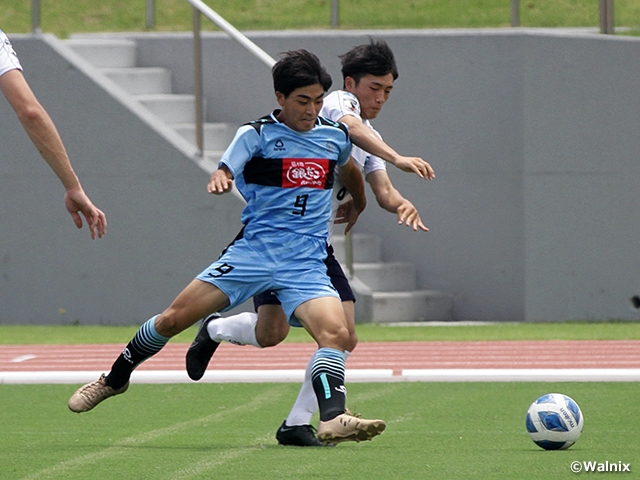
[[306, 404], [239, 329]]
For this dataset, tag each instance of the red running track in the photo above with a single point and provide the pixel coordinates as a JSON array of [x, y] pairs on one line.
[[397, 356]]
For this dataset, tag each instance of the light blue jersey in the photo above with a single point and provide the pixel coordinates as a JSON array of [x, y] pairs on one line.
[[286, 176]]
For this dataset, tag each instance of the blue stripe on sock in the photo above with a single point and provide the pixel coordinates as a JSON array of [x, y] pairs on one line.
[[328, 361], [325, 385], [147, 339]]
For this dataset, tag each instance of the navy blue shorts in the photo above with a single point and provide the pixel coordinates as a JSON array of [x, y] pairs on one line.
[[335, 273]]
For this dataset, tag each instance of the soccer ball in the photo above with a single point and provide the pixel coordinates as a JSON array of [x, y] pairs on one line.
[[554, 421]]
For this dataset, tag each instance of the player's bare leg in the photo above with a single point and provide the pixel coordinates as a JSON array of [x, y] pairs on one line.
[[325, 321], [197, 300]]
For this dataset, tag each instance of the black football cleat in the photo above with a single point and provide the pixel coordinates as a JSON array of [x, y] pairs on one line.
[[298, 436], [201, 350]]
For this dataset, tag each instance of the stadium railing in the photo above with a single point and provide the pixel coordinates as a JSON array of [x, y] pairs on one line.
[[200, 8]]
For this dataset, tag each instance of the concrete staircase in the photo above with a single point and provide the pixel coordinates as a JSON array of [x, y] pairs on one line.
[[151, 87], [386, 292]]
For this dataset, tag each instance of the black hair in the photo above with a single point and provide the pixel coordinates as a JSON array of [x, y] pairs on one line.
[[296, 69], [373, 58]]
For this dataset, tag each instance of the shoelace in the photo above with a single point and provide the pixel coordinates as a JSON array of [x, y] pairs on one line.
[[92, 390], [348, 412]]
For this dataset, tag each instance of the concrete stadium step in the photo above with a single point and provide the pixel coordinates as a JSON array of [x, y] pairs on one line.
[[367, 248], [172, 108], [105, 53], [386, 291], [151, 87], [413, 306], [387, 276], [216, 134], [141, 80]]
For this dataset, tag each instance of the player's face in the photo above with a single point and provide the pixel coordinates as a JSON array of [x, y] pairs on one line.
[[301, 108], [372, 93]]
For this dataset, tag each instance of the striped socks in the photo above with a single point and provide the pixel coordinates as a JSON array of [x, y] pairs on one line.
[[146, 343], [327, 377]]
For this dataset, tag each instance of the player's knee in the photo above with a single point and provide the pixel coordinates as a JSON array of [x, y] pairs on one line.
[[270, 338], [169, 323], [352, 342], [339, 337], [272, 326]]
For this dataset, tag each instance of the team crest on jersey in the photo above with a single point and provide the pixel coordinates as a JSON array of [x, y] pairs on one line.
[[349, 102], [305, 172]]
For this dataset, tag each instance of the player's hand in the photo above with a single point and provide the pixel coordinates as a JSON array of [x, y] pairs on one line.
[[408, 214], [76, 202], [220, 182], [342, 213], [415, 165], [348, 214]]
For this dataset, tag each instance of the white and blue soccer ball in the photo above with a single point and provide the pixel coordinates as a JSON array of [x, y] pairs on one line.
[[554, 421]]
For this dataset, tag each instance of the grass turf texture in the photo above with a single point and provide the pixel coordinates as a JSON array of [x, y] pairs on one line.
[[69, 334], [226, 431], [72, 16]]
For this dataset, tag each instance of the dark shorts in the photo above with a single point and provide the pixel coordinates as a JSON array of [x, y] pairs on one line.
[[335, 273]]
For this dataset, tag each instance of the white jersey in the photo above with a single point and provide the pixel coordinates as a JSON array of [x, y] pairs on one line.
[[8, 58], [336, 105]]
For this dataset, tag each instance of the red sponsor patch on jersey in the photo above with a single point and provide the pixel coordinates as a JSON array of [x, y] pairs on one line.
[[305, 172]]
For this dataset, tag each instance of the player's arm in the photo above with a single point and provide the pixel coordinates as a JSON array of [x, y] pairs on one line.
[[366, 139], [391, 200], [241, 149], [44, 135], [351, 178], [221, 180]]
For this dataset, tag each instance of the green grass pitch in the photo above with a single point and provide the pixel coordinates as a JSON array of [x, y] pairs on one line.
[[226, 431]]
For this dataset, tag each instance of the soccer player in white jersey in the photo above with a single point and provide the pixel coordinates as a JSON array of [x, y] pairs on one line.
[[284, 166], [45, 137], [369, 72]]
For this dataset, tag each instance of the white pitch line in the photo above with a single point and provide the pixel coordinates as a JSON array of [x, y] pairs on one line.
[[524, 375], [353, 375], [23, 358]]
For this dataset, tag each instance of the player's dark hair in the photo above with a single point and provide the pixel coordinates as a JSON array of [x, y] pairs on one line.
[[296, 69], [373, 58]]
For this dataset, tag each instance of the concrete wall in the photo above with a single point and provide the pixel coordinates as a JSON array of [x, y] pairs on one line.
[[582, 177], [533, 214], [163, 227]]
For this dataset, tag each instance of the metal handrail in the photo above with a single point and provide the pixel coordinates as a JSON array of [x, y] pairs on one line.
[[150, 16], [606, 17], [515, 13], [35, 16], [232, 32], [335, 13], [199, 8]]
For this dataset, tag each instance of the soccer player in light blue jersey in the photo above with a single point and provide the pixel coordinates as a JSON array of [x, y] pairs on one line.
[[369, 72], [284, 167]]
